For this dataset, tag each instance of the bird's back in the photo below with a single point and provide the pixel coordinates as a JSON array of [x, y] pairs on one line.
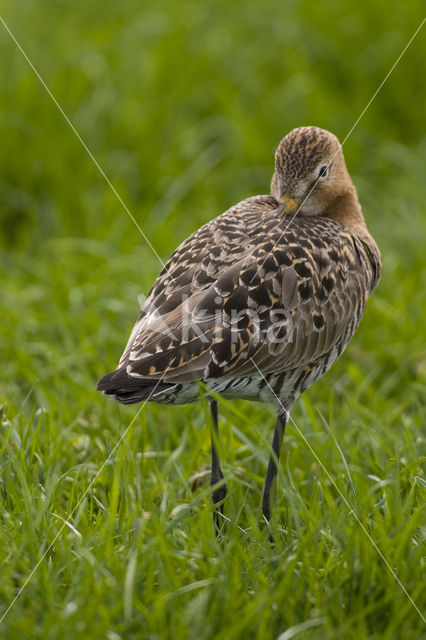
[[253, 295]]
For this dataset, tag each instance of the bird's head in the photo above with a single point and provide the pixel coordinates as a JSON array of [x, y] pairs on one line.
[[310, 172]]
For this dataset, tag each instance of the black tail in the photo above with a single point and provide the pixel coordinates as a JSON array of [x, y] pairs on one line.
[[128, 390]]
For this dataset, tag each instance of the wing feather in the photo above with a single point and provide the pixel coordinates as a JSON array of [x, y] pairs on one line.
[[221, 317]]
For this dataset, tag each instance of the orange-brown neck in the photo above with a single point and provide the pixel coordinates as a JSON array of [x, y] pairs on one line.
[[347, 210]]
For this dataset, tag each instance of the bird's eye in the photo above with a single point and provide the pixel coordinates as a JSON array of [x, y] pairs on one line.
[[323, 172]]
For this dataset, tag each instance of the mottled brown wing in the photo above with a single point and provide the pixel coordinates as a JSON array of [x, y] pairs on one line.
[[195, 265], [286, 301]]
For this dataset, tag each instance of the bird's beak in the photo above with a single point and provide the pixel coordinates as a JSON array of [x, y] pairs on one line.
[[290, 204]]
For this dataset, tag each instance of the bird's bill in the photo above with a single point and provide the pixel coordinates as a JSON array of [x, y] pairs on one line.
[[290, 204]]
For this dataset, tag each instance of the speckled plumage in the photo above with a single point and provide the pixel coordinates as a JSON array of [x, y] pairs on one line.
[[193, 325], [276, 284]]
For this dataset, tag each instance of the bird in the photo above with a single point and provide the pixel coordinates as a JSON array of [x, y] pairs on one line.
[[259, 302]]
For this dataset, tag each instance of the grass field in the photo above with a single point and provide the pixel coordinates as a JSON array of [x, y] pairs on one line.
[[183, 104]]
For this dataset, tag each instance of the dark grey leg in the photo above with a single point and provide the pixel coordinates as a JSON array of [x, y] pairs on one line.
[[272, 465], [216, 474]]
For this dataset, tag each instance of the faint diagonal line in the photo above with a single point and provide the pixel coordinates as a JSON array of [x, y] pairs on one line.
[[102, 172], [384, 80], [69, 516], [350, 132], [84, 145], [351, 509]]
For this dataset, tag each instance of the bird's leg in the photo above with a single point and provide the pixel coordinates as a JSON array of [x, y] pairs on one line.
[[272, 465], [218, 494]]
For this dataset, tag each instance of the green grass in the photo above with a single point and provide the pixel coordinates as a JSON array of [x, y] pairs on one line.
[[182, 104]]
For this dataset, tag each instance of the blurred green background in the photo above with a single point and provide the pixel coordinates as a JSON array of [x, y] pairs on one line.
[[183, 104]]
